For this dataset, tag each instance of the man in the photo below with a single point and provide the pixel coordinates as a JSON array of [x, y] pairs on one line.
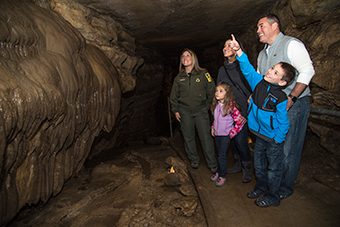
[[279, 47]]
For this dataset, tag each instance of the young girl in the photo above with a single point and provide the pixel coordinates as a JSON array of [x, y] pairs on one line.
[[226, 125]]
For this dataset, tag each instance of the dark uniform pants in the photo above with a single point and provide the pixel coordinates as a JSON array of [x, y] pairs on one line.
[[201, 120]]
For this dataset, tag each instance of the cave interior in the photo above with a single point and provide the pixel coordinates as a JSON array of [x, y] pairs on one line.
[[87, 78]]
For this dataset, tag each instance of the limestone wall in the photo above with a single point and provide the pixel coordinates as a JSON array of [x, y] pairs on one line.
[[57, 94], [140, 71], [68, 87]]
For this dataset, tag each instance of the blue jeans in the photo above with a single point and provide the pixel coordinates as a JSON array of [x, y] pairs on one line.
[[269, 183], [298, 117], [199, 119], [222, 144], [239, 144]]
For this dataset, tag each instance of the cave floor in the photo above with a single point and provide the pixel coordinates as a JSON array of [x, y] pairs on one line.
[[125, 187]]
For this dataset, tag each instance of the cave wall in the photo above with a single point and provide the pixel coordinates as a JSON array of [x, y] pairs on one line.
[[67, 87], [140, 71], [57, 94]]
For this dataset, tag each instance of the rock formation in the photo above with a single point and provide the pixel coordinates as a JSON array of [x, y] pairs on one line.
[[68, 88], [57, 94]]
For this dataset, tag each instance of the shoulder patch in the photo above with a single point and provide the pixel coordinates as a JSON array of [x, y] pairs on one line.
[[198, 80], [207, 75]]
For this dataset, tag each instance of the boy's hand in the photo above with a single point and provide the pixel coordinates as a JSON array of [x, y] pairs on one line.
[[235, 46]]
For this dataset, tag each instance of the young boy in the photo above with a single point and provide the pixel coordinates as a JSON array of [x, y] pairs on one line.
[[268, 120]]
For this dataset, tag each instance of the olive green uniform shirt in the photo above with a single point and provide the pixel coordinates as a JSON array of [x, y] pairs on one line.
[[192, 93]]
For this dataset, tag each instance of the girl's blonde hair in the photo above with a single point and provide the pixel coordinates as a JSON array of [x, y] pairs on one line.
[[229, 100], [196, 66]]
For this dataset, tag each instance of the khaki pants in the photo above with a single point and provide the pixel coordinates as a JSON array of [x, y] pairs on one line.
[[200, 120]]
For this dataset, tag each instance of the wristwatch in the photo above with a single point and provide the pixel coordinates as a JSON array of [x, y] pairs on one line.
[[292, 97]]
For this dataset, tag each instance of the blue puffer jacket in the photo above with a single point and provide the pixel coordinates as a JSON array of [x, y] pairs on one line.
[[267, 113]]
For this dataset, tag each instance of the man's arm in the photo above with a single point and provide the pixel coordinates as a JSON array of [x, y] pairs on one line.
[[300, 59]]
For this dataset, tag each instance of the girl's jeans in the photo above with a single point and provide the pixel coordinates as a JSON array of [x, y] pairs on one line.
[[222, 144]]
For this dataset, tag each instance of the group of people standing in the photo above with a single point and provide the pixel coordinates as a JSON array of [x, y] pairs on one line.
[[272, 102]]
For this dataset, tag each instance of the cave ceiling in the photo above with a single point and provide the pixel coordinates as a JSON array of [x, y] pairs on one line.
[[169, 26]]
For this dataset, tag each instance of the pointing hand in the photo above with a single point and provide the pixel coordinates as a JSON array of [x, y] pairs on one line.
[[234, 44]]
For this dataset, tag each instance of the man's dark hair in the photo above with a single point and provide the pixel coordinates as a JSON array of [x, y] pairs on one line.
[[272, 18], [289, 72]]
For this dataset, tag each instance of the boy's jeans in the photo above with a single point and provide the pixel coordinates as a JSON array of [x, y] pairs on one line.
[[272, 153]]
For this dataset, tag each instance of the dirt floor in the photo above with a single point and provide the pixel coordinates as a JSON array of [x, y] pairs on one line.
[[131, 186]]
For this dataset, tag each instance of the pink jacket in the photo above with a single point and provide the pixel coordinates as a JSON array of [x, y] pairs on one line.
[[228, 125]]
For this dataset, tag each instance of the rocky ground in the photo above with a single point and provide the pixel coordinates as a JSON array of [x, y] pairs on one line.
[[132, 186], [123, 187]]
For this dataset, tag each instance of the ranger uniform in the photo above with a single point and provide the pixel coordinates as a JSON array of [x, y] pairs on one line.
[[191, 96]]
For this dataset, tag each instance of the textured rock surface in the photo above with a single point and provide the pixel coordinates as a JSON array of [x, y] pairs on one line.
[[57, 94], [170, 26], [105, 33], [121, 187]]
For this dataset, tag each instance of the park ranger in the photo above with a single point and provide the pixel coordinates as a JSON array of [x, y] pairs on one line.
[[191, 96]]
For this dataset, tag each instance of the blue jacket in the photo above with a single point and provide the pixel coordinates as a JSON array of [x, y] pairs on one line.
[[267, 113]]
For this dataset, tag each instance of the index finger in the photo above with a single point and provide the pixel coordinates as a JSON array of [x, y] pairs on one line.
[[232, 37]]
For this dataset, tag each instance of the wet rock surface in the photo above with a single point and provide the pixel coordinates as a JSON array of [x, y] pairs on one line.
[[57, 93], [122, 187], [61, 96]]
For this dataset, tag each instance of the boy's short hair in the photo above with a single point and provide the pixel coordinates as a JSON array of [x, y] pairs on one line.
[[289, 72]]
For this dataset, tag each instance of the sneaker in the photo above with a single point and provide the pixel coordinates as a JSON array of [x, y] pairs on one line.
[[213, 169], [221, 181], [194, 165], [214, 177], [254, 194]]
